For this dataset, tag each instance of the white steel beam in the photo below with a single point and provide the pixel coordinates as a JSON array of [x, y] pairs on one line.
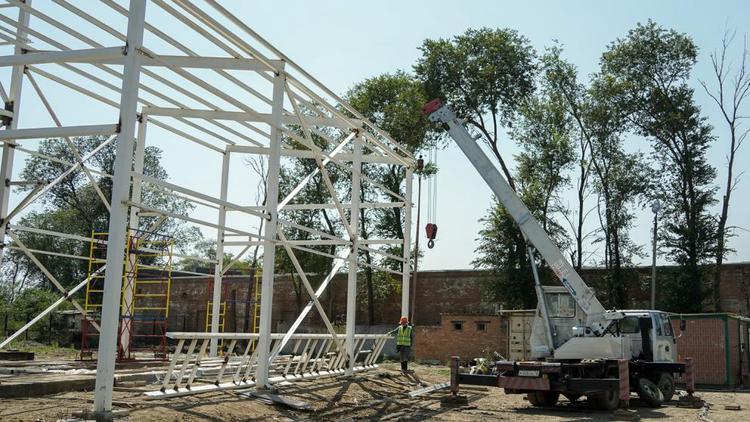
[[310, 290], [218, 269], [68, 141], [118, 217], [310, 176], [240, 43], [194, 62], [57, 132], [351, 285], [269, 249], [303, 153], [241, 116], [406, 266], [6, 166], [343, 254], [109, 55]]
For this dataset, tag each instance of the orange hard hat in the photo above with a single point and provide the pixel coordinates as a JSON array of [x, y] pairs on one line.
[[403, 320]]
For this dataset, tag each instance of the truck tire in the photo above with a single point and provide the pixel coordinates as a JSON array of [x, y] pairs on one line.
[[665, 382], [649, 392], [543, 398], [609, 400]]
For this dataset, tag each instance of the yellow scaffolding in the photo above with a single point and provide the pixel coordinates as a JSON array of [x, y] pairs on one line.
[[147, 272]]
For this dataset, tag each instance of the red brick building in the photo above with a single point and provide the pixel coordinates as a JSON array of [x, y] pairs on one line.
[[437, 292]]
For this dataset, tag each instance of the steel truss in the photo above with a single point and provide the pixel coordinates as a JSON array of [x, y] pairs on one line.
[[214, 87], [308, 356]]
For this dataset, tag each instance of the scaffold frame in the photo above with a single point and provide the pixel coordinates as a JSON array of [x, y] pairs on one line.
[[225, 90]]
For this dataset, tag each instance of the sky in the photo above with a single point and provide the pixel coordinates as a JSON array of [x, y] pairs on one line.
[[342, 43]]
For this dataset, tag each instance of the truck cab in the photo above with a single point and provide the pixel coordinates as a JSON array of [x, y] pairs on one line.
[[650, 335]]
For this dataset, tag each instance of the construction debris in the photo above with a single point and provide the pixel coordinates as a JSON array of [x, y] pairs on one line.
[[625, 415], [457, 400], [429, 389]]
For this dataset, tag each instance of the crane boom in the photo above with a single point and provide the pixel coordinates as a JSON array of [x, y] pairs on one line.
[[596, 316]]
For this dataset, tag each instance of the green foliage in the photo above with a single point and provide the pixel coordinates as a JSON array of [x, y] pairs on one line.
[[73, 206], [487, 76], [394, 103], [481, 71], [499, 252]]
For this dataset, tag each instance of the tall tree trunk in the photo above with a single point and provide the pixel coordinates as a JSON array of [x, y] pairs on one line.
[[721, 231]]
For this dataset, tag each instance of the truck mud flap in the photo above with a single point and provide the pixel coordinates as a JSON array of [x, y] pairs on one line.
[[523, 383]]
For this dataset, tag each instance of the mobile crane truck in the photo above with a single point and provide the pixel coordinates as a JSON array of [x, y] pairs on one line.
[[578, 348]]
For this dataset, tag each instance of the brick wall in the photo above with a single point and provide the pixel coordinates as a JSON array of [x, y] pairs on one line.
[[440, 342], [437, 292]]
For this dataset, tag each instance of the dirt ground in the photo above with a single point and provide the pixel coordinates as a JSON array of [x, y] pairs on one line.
[[375, 395]]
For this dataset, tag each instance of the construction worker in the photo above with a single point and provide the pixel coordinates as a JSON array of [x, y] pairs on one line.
[[404, 340]]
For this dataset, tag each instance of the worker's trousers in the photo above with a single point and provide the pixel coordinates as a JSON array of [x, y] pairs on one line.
[[404, 353]]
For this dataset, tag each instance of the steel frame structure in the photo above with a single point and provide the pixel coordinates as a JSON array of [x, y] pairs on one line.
[[214, 85], [311, 356]]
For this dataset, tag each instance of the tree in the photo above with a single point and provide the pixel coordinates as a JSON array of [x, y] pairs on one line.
[[545, 134], [562, 78], [648, 71], [621, 179], [393, 102], [487, 75], [730, 97]]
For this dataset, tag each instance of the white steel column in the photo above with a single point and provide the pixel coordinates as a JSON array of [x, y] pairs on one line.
[[406, 268], [351, 286], [219, 268], [9, 148], [105, 366], [126, 313], [269, 245]]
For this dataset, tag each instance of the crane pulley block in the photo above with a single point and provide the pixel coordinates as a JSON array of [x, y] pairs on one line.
[[431, 231]]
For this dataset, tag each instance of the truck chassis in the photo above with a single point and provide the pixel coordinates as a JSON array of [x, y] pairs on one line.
[[607, 383]]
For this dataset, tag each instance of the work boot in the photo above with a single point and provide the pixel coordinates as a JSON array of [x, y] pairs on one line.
[[404, 366]]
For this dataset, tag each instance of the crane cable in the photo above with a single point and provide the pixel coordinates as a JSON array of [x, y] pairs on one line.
[[432, 184]]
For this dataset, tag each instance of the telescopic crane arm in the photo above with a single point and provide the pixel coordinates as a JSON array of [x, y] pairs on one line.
[[596, 316]]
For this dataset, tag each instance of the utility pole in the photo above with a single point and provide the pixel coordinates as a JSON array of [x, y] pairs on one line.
[[655, 208]]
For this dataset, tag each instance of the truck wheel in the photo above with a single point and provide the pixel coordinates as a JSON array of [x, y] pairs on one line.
[[665, 382], [649, 392], [609, 400], [543, 398]]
